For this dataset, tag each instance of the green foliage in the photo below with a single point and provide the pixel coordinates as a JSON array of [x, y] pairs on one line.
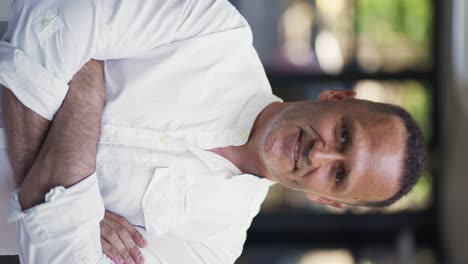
[[420, 195], [390, 24], [412, 18], [417, 100]]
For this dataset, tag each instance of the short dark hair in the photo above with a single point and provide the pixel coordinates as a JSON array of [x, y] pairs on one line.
[[414, 153]]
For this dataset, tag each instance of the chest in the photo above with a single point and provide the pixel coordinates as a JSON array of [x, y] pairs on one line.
[[183, 85], [170, 190]]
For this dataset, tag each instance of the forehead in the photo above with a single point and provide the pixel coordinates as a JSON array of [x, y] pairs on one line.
[[376, 155]]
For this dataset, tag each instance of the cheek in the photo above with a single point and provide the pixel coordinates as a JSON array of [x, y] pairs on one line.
[[319, 182], [273, 155], [271, 143], [277, 142]]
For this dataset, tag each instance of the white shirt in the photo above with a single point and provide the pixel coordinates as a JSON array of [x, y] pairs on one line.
[[181, 77]]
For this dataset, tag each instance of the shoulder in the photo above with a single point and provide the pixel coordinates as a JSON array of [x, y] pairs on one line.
[[203, 17]]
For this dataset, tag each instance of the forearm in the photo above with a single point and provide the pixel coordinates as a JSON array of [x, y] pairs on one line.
[[25, 132], [68, 154], [64, 227]]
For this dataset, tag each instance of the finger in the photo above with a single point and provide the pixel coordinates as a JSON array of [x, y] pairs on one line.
[[137, 236], [136, 255], [114, 240], [126, 239], [111, 252]]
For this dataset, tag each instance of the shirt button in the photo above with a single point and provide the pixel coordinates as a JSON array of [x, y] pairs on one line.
[[86, 260], [45, 22], [105, 134], [181, 190], [243, 134]]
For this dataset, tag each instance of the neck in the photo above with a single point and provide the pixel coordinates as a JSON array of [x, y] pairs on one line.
[[247, 158], [242, 157]]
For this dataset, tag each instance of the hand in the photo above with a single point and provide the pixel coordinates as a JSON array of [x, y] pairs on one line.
[[120, 240]]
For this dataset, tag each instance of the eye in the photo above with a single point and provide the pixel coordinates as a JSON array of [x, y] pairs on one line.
[[339, 176], [344, 134]]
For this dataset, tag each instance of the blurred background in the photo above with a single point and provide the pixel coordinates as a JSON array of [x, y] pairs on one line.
[[405, 52]]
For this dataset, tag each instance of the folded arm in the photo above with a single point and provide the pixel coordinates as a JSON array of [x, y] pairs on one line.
[[68, 154], [65, 226], [67, 158], [62, 156], [65, 164]]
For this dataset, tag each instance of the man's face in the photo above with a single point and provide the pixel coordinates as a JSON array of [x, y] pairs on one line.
[[337, 151]]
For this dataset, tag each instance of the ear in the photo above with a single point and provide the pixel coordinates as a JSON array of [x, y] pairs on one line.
[[325, 201], [336, 95]]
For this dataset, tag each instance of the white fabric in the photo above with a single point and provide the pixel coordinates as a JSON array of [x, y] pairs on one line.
[[8, 244], [182, 77]]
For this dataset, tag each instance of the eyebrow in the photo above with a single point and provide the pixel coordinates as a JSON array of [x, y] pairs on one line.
[[348, 123]]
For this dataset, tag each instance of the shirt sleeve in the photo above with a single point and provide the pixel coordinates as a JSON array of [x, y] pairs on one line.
[[48, 41], [65, 229]]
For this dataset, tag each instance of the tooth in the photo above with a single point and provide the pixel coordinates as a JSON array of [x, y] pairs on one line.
[[295, 152]]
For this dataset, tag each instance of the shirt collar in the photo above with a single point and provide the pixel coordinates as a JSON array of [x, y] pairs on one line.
[[249, 113]]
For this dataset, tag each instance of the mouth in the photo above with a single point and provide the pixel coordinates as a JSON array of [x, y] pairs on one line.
[[296, 153]]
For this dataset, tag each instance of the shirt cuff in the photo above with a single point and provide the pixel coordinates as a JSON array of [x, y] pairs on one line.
[[34, 85], [63, 214]]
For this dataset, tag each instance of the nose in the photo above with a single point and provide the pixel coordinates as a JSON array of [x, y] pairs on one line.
[[322, 155]]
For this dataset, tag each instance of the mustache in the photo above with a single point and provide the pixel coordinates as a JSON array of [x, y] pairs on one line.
[[307, 148]]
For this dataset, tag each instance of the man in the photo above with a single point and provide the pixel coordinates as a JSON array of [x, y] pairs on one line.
[[189, 120]]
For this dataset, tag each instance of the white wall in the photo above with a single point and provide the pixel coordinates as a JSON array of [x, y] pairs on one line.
[[5, 9]]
